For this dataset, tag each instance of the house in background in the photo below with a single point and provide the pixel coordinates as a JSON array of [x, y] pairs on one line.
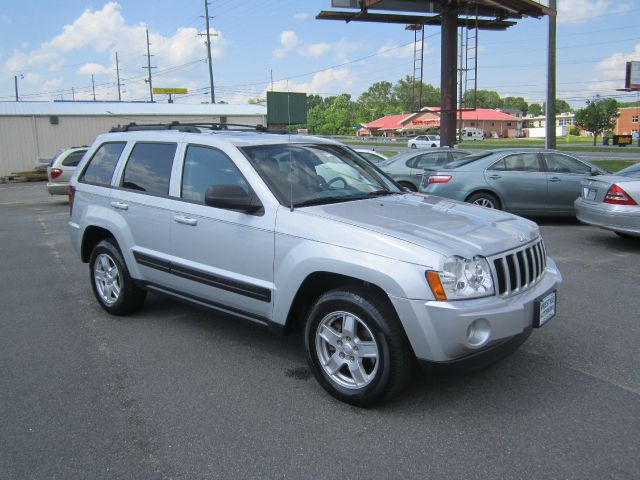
[[401, 125], [535, 126]]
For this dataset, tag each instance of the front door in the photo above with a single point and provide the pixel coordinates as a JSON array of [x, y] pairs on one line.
[[221, 257], [564, 175]]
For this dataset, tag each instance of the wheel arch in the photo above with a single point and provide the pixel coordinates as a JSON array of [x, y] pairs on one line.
[[91, 237]]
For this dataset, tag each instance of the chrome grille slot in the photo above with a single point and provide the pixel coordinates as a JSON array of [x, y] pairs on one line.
[[519, 269]]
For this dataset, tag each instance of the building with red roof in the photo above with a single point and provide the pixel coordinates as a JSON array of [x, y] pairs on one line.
[[491, 122]]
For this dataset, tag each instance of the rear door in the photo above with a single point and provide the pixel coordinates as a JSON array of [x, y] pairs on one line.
[[521, 182], [142, 198], [564, 177]]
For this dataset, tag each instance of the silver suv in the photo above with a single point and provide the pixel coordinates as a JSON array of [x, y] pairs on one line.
[[301, 233]]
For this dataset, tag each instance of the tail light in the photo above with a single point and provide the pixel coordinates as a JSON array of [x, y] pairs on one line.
[[439, 179], [55, 173], [617, 196], [72, 194]]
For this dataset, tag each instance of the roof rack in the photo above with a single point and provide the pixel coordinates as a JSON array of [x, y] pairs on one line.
[[191, 127]]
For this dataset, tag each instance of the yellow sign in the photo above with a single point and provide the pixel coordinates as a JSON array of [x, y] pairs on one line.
[[169, 90]]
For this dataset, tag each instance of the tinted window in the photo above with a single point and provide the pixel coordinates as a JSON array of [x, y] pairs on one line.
[[432, 160], [557, 163], [101, 166], [520, 162], [468, 159], [73, 159], [149, 168], [204, 166]]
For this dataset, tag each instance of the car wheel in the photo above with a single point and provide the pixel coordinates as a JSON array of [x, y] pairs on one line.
[[433, 145], [112, 285], [413, 145], [409, 186], [356, 346], [486, 200]]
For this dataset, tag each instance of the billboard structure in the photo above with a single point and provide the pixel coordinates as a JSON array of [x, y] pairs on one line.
[[632, 77]]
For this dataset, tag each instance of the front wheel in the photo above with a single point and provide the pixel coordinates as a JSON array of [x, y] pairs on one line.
[[112, 285], [413, 145], [486, 200], [356, 347]]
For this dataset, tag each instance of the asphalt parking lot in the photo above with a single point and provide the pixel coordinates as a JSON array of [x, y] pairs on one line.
[[173, 392]]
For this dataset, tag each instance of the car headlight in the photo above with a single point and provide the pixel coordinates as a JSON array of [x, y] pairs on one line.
[[462, 278]]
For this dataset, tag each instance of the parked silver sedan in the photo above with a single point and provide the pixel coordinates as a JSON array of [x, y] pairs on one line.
[[62, 167], [524, 181], [408, 167], [611, 202]]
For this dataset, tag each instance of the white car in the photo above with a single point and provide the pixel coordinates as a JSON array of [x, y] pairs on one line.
[[62, 167], [422, 141]]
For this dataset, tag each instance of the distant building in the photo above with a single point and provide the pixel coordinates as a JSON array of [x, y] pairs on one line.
[[492, 122], [29, 130], [535, 126], [627, 122]]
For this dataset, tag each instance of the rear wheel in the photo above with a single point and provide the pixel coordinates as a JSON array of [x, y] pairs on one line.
[[483, 199], [112, 285], [356, 347], [413, 145]]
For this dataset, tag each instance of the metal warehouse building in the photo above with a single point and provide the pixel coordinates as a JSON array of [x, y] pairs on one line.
[[29, 130]]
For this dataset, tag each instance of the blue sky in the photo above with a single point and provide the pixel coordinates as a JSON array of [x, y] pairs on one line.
[[55, 46]]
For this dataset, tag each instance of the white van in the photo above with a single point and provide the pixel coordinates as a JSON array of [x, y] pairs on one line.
[[472, 134]]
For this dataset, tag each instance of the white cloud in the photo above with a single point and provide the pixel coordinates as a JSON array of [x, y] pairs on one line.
[[322, 82], [94, 69], [611, 72], [5, 19], [580, 11], [288, 41], [393, 50], [301, 16], [51, 86], [314, 49]]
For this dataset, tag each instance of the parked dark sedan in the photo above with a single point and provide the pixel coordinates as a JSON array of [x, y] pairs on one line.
[[408, 167], [524, 181]]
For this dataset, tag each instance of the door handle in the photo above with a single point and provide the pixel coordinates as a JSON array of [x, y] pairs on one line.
[[120, 205], [495, 177], [554, 179], [186, 220]]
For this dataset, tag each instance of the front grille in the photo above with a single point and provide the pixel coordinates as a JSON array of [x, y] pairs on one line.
[[519, 269]]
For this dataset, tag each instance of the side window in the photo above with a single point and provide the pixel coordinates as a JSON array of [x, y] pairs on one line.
[[522, 162], [101, 166], [204, 166], [457, 155], [562, 164], [73, 159], [149, 168], [431, 160]]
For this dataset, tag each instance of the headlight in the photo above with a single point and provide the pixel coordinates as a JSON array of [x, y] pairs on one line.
[[462, 278]]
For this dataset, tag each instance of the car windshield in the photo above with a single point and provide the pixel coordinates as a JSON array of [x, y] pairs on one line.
[[314, 174], [632, 171], [466, 160]]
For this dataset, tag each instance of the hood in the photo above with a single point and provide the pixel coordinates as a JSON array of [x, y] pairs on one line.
[[445, 226]]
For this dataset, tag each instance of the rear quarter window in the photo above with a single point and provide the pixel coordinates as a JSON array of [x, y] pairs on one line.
[[73, 159], [149, 168], [100, 168]]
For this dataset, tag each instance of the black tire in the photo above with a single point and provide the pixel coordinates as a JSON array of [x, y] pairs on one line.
[[626, 235], [413, 145], [484, 199], [377, 323], [129, 298], [409, 186]]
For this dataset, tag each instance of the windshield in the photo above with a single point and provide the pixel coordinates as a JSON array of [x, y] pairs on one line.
[[632, 171], [300, 174]]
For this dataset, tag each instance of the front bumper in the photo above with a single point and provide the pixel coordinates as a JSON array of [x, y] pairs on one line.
[[619, 218], [439, 331]]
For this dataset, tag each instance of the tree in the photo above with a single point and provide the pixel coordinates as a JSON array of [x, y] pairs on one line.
[[378, 100], [562, 106], [598, 116], [406, 94], [516, 103], [535, 109], [334, 116], [484, 99]]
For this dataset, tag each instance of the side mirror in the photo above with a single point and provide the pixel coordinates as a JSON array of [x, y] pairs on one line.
[[231, 197], [595, 173]]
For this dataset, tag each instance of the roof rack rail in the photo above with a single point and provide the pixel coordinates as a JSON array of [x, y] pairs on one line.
[[192, 127]]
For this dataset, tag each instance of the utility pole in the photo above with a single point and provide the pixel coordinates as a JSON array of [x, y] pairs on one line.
[[149, 67], [15, 79], [271, 71], [73, 94], [118, 77], [206, 19], [550, 119], [93, 87]]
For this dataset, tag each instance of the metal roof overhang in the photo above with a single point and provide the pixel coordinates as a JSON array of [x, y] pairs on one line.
[[417, 11]]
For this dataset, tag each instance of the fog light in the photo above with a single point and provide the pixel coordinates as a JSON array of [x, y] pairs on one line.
[[478, 332]]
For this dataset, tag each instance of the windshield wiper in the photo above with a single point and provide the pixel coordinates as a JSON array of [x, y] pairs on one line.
[[342, 198]]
